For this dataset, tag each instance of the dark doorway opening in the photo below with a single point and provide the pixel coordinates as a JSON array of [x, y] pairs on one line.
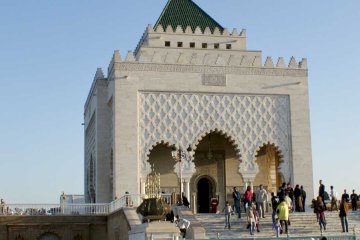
[[204, 193]]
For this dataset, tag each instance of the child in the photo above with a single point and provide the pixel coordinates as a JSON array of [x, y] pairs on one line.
[[251, 219], [257, 218], [228, 211], [277, 226]]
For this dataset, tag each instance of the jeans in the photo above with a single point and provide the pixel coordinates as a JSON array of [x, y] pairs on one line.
[[227, 220], [344, 223], [322, 223], [237, 209]]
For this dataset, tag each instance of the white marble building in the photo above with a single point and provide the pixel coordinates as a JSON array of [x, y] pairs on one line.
[[191, 82]]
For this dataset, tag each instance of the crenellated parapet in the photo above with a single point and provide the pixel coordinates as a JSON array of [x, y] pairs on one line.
[[248, 59], [220, 39]]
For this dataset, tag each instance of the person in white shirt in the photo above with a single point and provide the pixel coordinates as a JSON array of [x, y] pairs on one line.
[[182, 224], [261, 198], [333, 197]]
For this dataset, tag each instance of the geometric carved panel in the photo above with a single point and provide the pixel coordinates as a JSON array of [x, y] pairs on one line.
[[249, 121]]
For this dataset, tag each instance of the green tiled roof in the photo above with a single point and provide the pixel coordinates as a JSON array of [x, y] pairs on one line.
[[186, 13]]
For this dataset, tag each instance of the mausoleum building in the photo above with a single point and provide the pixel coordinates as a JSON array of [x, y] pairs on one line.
[[193, 104]]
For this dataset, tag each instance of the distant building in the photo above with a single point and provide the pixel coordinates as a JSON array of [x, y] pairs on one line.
[[192, 82]]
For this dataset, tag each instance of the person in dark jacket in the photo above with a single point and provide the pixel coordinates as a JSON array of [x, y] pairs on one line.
[[354, 198], [303, 197], [298, 200], [322, 192], [343, 213]]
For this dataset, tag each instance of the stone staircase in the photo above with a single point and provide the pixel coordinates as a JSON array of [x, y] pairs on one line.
[[302, 225]]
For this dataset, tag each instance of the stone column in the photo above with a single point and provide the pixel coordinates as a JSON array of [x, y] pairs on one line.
[[187, 188], [142, 185]]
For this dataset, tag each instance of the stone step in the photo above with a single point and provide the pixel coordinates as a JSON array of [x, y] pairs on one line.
[[302, 224]]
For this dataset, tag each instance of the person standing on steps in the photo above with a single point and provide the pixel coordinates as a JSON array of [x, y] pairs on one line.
[[322, 192], [248, 196], [236, 197], [261, 198], [333, 197], [354, 198], [228, 211], [282, 211], [303, 197], [343, 213]]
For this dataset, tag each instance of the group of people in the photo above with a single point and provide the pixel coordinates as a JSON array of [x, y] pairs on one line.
[[320, 207], [255, 205]]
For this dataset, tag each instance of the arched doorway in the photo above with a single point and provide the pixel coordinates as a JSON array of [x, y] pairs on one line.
[[268, 159], [204, 192]]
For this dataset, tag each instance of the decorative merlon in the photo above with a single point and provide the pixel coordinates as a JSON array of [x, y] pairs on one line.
[[116, 56], [269, 63], [99, 74], [188, 30], [303, 63], [130, 57], [293, 63], [280, 63]]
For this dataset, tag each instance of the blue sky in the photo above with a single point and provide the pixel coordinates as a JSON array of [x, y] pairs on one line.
[[49, 52]]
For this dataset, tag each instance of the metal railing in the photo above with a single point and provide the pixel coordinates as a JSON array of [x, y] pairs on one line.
[[128, 200]]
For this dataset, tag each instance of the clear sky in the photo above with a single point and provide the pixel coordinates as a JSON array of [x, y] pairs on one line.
[[49, 52]]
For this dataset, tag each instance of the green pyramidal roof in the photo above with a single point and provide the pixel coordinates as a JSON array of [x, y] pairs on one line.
[[186, 13]]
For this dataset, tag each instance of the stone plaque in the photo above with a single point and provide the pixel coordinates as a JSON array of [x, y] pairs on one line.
[[214, 80]]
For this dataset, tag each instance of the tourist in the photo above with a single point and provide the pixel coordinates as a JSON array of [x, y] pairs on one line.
[[261, 199], [248, 196], [320, 213], [343, 213], [274, 203], [333, 197], [277, 227], [290, 192], [185, 201], [322, 192], [303, 197], [281, 192], [257, 217], [282, 211], [314, 205], [228, 211], [182, 224], [236, 197], [289, 204], [354, 198], [251, 218], [298, 200], [345, 196]]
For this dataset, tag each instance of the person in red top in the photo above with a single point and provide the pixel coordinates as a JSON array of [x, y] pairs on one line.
[[248, 196]]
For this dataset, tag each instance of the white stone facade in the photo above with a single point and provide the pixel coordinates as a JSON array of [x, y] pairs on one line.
[[177, 94]]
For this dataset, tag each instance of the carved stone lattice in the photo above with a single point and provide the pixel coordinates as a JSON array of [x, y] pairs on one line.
[[183, 119]]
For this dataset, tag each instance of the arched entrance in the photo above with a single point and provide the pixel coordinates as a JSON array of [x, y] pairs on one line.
[[268, 159], [204, 193]]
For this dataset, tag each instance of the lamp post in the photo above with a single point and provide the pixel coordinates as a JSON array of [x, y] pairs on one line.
[[178, 155]]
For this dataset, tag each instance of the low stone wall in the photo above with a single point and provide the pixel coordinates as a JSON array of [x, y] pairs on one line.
[[64, 227]]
